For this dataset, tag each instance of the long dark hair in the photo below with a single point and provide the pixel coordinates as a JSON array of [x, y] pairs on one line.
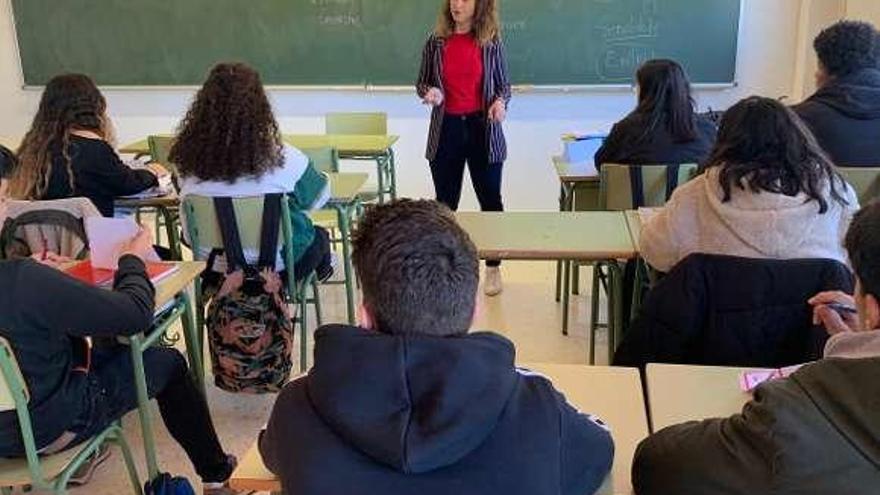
[[763, 146], [665, 98], [229, 131], [70, 102]]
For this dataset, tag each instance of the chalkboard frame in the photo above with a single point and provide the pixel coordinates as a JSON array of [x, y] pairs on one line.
[[371, 88]]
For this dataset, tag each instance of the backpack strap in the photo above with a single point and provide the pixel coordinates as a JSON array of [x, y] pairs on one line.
[[672, 178], [269, 230], [235, 259], [637, 186]]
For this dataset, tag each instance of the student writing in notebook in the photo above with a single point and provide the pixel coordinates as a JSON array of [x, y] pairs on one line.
[[76, 392], [68, 150], [814, 433]]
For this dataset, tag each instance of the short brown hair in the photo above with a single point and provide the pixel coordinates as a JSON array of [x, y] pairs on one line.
[[418, 269], [486, 28], [229, 131], [862, 244]]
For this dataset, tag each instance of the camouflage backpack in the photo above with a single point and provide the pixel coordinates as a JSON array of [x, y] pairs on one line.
[[250, 332]]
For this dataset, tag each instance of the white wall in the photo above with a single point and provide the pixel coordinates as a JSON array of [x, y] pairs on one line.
[[771, 39], [866, 10]]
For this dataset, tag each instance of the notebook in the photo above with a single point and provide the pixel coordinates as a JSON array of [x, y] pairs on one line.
[[103, 277], [750, 380], [107, 236]]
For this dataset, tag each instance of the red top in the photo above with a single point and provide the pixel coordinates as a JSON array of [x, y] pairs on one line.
[[462, 74]]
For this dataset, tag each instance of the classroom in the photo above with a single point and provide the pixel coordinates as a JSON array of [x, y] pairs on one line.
[[239, 252]]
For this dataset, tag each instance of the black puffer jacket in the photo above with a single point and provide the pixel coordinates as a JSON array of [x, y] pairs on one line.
[[730, 311]]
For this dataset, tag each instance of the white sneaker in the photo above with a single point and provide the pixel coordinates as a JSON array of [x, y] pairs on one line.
[[492, 285]]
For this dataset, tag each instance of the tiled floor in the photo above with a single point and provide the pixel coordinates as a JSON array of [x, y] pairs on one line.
[[526, 313]]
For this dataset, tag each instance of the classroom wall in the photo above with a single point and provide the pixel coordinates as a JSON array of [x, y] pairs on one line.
[[868, 10], [773, 34]]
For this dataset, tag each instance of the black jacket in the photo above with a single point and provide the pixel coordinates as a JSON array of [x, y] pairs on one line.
[[815, 433], [845, 117], [724, 310], [44, 314], [428, 416], [628, 144], [99, 175]]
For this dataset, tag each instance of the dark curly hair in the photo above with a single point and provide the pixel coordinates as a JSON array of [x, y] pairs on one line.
[[229, 131], [70, 102], [763, 146], [848, 46], [418, 268]]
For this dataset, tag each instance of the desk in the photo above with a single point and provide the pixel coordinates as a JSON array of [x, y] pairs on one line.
[[591, 236], [173, 289], [612, 394], [350, 146], [9, 142], [679, 393]]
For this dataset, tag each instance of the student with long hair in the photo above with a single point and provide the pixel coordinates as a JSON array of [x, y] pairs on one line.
[[229, 145], [464, 78], [663, 128], [69, 151], [767, 191]]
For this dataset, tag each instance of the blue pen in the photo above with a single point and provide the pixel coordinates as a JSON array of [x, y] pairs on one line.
[[842, 309]]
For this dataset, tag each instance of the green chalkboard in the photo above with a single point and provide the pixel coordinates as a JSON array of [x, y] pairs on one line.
[[364, 42]]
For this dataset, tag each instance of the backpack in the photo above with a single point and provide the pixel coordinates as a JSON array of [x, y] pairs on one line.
[[250, 330], [32, 227], [164, 484]]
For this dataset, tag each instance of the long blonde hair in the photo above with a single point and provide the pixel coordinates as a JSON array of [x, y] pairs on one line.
[[70, 102], [486, 27]]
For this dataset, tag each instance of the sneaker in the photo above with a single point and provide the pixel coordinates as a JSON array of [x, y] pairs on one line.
[[85, 472], [492, 285]]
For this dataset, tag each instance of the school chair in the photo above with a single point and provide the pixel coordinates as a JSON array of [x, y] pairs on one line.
[[32, 227], [359, 123], [203, 230], [160, 148], [864, 180], [46, 472], [630, 187]]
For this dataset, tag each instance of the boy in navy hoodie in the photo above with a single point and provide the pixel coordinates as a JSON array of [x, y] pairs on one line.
[[410, 402]]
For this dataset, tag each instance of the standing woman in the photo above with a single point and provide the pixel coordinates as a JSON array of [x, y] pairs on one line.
[[464, 77]]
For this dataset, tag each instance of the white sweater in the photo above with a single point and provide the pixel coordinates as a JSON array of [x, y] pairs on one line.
[[753, 225]]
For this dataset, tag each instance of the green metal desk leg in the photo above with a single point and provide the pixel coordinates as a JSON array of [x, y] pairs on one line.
[[566, 277], [171, 230], [615, 307], [380, 177], [193, 341], [140, 381], [594, 311], [392, 173], [343, 212]]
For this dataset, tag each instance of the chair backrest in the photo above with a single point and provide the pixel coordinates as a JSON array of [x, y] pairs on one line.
[[864, 180], [356, 123], [56, 225], [325, 159], [13, 388], [628, 187], [160, 148]]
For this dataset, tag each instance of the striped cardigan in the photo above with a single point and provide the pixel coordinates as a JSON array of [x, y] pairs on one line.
[[496, 85]]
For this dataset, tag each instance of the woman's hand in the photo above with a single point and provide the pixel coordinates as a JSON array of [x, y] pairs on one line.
[[141, 245], [498, 111], [158, 170], [433, 97], [834, 321]]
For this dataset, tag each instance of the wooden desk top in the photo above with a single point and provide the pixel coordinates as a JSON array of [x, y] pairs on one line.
[[345, 186], [679, 393], [176, 283], [581, 236], [612, 394], [167, 201], [345, 143], [10, 142], [575, 172]]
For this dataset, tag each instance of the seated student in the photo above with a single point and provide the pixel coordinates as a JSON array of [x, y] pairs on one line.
[[410, 402], [75, 395], [663, 129], [814, 433], [229, 145], [844, 113], [68, 150], [767, 191]]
